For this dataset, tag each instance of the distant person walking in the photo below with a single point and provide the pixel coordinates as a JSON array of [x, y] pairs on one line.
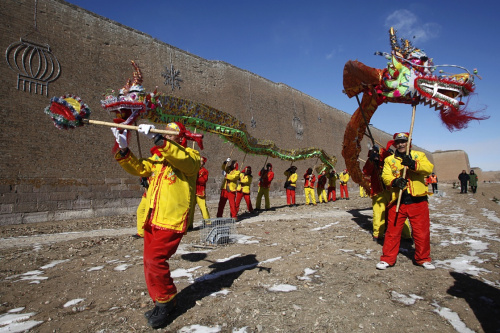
[[473, 181], [433, 180], [464, 179]]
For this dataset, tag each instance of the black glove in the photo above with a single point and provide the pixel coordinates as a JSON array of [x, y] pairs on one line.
[[144, 182], [409, 162], [399, 183]]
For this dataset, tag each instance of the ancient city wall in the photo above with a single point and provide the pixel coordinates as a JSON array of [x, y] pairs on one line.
[[51, 174], [448, 164]]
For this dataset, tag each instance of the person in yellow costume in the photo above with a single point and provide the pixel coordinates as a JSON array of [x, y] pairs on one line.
[[332, 185], [372, 170], [243, 189], [320, 187], [410, 187], [171, 197], [309, 180], [362, 192], [291, 184], [344, 178], [201, 186]]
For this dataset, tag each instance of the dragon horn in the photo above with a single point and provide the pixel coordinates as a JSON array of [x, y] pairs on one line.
[[137, 74], [394, 40]]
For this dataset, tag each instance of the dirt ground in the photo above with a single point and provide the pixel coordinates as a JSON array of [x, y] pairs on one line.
[[299, 269]]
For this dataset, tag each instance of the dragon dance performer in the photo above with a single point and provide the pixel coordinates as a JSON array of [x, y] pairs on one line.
[[332, 185], [291, 184], [309, 180], [320, 187], [266, 177], [171, 197], [243, 189], [142, 209], [414, 205], [344, 178], [201, 186], [228, 189], [378, 193]]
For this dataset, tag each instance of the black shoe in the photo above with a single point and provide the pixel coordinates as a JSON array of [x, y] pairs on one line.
[[148, 313], [136, 236], [160, 315]]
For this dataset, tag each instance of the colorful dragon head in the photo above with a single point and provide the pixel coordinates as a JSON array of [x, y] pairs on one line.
[[408, 79], [132, 101]]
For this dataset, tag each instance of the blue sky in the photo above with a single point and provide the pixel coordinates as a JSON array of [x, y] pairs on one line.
[[306, 44]]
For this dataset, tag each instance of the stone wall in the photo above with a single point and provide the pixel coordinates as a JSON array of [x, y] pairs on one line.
[[51, 174], [448, 164]]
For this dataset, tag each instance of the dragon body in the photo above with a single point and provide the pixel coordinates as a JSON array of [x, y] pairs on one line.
[[408, 79], [133, 103]]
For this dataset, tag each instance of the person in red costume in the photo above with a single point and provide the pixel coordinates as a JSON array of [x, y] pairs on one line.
[[413, 204], [266, 177], [171, 198], [201, 185], [228, 189]]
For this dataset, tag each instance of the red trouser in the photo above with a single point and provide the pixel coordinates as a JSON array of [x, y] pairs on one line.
[[343, 189], [332, 195], [418, 214], [239, 196], [159, 246], [224, 197], [290, 197]]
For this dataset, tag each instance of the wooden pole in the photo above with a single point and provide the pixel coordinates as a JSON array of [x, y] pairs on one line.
[[407, 152], [131, 127], [138, 143]]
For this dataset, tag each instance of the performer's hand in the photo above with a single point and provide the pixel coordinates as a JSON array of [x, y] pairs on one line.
[[146, 130], [121, 138], [228, 160], [409, 162], [399, 183]]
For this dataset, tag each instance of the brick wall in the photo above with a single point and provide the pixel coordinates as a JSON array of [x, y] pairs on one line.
[[51, 174]]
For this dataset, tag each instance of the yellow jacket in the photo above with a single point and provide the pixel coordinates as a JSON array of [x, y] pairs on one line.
[[232, 180], [332, 179], [344, 177], [225, 170], [172, 186], [245, 182], [292, 178], [416, 178]]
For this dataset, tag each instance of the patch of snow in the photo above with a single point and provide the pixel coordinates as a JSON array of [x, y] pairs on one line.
[[227, 259], [222, 292], [407, 300], [95, 268], [490, 215], [122, 267], [270, 260], [200, 329], [325, 227], [462, 264], [73, 302], [282, 288], [53, 263], [452, 318], [181, 272]]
